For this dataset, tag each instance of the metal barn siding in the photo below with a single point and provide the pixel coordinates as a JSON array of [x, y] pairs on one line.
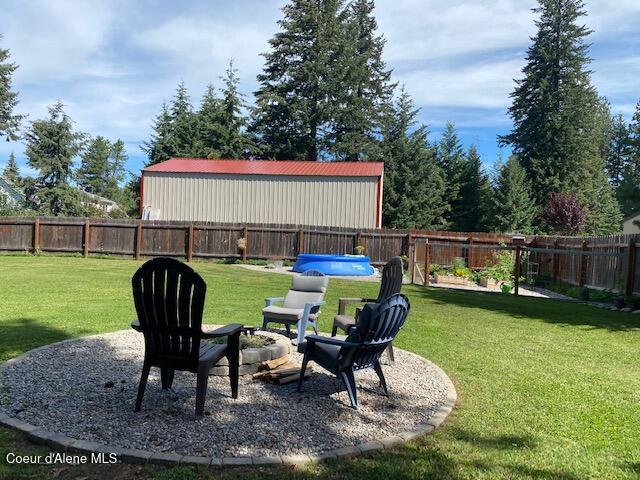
[[342, 201]]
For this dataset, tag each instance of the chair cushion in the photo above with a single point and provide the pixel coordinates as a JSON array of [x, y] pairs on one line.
[[344, 322], [298, 299], [309, 284], [275, 312]]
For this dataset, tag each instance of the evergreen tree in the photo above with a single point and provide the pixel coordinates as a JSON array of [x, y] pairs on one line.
[[628, 193], [414, 185], [11, 173], [52, 145], [234, 141], [450, 158], [299, 82], [94, 172], [9, 122], [184, 123], [471, 209], [557, 115], [161, 146], [209, 134], [365, 86], [513, 209], [619, 150]]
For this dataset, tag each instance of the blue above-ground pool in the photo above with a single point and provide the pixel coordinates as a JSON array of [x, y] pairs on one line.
[[346, 265]]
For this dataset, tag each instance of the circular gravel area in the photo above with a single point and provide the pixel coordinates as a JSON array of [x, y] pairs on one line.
[[86, 388]]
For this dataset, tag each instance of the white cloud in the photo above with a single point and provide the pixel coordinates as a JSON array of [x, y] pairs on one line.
[[113, 62]]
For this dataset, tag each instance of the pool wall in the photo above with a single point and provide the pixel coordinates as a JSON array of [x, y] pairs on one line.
[[344, 265]]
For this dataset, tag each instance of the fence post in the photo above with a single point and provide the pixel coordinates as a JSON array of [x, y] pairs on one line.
[[358, 240], [411, 255], [555, 262], [517, 270], [583, 265], [470, 254], [631, 267], [190, 243], [245, 235], [427, 262], [300, 240], [87, 237], [36, 236], [138, 239]]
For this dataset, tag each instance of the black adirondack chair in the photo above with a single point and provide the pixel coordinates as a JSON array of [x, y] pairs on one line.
[[169, 298], [390, 284], [377, 326]]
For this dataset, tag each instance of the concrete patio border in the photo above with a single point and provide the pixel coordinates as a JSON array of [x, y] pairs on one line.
[[62, 443]]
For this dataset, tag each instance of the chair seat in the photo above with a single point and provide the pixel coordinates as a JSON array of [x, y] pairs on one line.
[[288, 314], [326, 355], [211, 352], [344, 322]]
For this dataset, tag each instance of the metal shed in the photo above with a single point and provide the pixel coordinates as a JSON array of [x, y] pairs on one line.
[[342, 194]]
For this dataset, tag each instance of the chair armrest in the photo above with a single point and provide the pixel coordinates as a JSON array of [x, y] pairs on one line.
[[330, 341], [225, 331], [271, 300], [312, 308], [136, 326], [343, 302]]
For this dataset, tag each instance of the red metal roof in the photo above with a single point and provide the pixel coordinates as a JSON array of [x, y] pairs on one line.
[[269, 167]]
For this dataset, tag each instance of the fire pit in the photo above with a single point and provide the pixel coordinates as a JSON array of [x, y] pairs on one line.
[[254, 349]]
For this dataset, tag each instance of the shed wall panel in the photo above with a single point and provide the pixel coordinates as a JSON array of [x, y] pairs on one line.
[[334, 201]]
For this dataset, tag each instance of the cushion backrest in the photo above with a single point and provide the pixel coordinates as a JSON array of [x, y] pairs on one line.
[[305, 290]]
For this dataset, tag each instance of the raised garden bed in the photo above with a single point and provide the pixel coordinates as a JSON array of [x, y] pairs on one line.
[[450, 279]]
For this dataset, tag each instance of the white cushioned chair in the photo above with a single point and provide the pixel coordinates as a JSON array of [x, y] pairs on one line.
[[301, 305]]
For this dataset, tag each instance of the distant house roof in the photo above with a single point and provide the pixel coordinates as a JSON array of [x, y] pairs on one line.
[[9, 191], [269, 167]]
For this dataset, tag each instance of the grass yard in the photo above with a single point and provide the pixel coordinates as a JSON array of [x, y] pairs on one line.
[[546, 389]]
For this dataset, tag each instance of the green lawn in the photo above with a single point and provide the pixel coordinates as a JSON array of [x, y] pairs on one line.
[[545, 389]]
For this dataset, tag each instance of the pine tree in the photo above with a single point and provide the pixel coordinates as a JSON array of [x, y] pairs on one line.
[[94, 172], [414, 185], [161, 146], [366, 86], [299, 82], [619, 150], [557, 115], [628, 193], [184, 123], [470, 210], [450, 158], [52, 145], [9, 122], [11, 173], [513, 208], [234, 141]]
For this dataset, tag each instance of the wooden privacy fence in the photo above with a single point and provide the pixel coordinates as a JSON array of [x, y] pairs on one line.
[[611, 262], [140, 238]]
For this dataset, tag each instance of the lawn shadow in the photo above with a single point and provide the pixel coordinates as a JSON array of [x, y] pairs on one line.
[[559, 312], [22, 334]]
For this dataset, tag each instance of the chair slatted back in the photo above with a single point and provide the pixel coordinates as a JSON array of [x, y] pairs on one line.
[[377, 326], [169, 298], [391, 279]]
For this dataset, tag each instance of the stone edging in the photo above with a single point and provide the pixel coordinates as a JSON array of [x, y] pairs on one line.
[[62, 443]]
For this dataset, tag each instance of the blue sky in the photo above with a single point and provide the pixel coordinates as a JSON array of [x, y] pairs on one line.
[[113, 62]]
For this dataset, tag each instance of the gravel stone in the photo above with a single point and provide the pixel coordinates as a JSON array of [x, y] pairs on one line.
[[61, 389]]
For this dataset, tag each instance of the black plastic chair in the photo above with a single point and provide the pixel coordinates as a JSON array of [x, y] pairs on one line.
[[169, 298], [377, 326], [390, 284]]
